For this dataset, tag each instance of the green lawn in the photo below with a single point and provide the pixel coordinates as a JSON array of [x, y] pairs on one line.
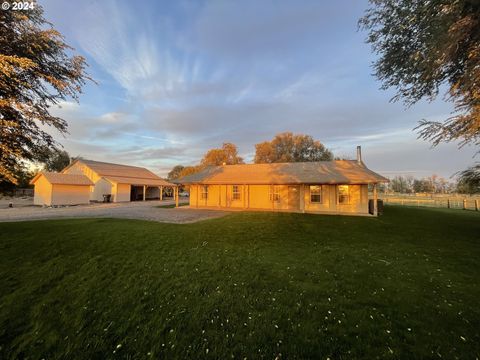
[[249, 285]]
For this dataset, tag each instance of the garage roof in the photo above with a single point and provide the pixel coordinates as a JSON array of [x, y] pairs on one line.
[[124, 174], [63, 179]]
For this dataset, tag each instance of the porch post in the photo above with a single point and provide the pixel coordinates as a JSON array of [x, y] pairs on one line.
[[176, 196], [302, 198], [375, 200], [144, 192], [244, 196], [161, 193], [197, 187]]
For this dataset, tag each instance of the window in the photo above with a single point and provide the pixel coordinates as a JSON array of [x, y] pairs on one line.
[[274, 195], [236, 192], [204, 192], [315, 194], [343, 194]]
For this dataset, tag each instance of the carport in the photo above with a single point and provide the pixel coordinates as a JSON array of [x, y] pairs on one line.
[[139, 189], [149, 192]]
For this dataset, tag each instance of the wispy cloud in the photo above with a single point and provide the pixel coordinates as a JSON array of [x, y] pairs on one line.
[[178, 78]]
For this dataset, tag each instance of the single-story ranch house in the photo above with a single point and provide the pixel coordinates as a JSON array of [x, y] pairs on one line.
[[333, 187], [98, 180]]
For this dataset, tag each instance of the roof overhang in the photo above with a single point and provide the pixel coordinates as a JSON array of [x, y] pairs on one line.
[[137, 181]]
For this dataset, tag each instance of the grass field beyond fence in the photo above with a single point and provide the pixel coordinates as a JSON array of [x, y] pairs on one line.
[[448, 201], [249, 285]]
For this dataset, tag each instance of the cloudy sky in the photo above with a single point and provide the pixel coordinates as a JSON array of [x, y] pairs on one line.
[[176, 78]]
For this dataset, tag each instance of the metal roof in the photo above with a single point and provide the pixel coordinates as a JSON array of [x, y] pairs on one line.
[[321, 172], [138, 181], [63, 179], [124, 174]]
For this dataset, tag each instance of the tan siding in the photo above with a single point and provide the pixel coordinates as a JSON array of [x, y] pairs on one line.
[[213, 193], [42, 192], [101, 186], [224, 195], [70, 194], [257, 197], [358, 202], [79, 168], [193, 195], [328, 199]]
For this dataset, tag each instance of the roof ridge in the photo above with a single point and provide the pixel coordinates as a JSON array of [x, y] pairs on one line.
[[132, 177], [109, 163], [291, 162]]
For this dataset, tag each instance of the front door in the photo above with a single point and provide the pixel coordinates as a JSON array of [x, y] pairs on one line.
[[294, 198]]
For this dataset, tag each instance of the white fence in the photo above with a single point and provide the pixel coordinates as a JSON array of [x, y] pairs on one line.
[[469, 203]]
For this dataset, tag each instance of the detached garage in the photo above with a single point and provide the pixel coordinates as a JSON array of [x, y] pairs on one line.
[[61, 189]]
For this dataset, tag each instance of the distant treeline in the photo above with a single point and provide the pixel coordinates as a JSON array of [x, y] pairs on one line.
[[432, 184]]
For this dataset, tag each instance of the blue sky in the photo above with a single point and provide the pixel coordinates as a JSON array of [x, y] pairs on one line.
[[176, 78]]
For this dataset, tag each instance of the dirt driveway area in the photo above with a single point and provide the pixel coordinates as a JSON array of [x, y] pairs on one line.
[[148, 210]]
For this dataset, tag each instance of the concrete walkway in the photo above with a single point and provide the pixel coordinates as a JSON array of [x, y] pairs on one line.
[[131, 210]]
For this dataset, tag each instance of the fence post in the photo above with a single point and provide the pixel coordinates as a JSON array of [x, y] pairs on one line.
[[448, 203], [464, 204], [476, 205]]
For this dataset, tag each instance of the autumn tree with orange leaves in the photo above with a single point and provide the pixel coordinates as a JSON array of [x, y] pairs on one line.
[[289, 147], [226, 155]]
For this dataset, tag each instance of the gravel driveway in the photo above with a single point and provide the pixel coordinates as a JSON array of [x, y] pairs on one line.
[[132, 210]]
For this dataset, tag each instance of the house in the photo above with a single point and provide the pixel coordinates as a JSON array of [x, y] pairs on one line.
[[66, 189], [118, 182], [333, 187]]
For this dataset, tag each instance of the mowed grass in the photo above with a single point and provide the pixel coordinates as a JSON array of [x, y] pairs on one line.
[[249, 285]]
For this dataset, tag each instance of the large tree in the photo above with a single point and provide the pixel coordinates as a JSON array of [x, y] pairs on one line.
[[425, 47], [55, 160], [23, 173], [175, 172], [401, 184], [289, 147], [469, 180], [227, 154], [36, 72], [179, 171]]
